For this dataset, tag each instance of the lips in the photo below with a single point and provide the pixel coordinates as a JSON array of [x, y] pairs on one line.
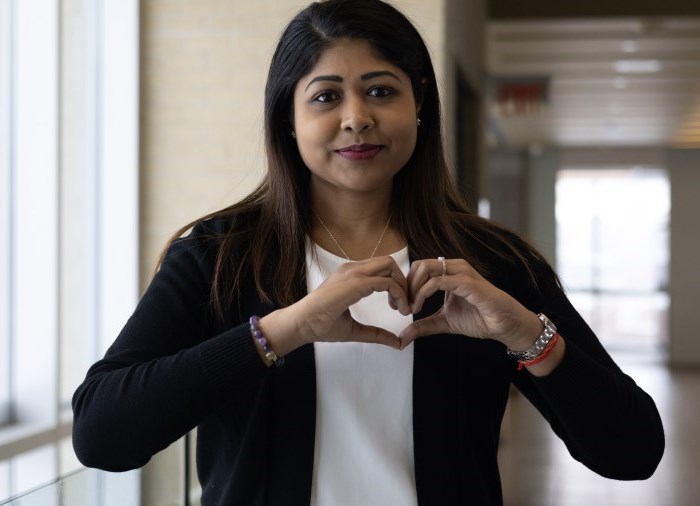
[[360, 151]]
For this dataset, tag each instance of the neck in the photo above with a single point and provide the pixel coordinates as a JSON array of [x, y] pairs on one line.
[[355, 228], [353, 212]]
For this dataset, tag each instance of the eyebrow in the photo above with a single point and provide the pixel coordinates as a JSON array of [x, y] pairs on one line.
[[364, 77]]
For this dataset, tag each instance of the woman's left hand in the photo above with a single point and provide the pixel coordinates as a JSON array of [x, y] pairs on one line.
[[473, 306]]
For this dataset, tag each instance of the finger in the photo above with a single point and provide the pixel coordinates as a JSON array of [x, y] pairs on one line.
[[370, 334], [435, 324], [462, 285], [430, 287], [398, 299], [400, 305], [338, 293], [396, 292], [421, 271], [398, 276], [424, 270], [419, 274], [381, 266], [378, 266]]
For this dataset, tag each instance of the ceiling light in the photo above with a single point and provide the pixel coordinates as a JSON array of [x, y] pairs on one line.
[[637, 66]]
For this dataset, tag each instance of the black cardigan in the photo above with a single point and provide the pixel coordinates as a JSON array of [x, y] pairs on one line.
[[175, 367]]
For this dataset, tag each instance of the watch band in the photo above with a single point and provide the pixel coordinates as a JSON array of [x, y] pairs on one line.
[[539, 345]]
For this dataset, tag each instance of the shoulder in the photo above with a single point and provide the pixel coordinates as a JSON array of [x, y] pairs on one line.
[[204, 238], [509, 260], [218, 227], [491, 242]]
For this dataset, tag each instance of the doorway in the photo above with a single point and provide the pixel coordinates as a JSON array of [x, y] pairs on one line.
[[613, 252]]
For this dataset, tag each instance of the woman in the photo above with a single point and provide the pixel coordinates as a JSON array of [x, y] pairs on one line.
[[302, 405]]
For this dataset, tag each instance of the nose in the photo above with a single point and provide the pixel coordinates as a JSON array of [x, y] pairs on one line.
[[356, 116]]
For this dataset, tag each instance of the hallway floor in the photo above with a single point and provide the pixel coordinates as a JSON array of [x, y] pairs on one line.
[[541, 472]]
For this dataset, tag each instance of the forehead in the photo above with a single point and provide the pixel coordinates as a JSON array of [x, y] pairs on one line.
[[350, 56]]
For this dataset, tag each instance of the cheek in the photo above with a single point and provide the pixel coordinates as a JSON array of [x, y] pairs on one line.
[[312, 132], [311, 137], [406, 134], [314, 136], [312, 145]]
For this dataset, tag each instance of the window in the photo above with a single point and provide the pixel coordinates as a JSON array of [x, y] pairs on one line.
[[613, 252], [68, 215], [5, 182], [5, 206]]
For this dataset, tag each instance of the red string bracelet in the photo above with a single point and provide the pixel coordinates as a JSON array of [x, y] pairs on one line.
[[545, 353]]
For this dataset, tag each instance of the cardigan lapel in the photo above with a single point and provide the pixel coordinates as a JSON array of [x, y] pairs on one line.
[[435, 398], [291, 395]]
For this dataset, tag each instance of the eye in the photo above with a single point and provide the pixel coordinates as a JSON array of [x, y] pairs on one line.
[[325, 97], [381, 91]]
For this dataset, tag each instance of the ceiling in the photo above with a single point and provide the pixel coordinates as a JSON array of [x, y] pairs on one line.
[[622, 81]]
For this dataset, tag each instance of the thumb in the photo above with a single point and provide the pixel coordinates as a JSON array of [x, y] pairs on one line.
[[435, 324]]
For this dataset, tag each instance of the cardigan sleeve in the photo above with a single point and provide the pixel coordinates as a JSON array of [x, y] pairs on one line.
[[606, 420], [164, 373]]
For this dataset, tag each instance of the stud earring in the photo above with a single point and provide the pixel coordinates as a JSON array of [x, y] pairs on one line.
[[418, 122], [294, 134]]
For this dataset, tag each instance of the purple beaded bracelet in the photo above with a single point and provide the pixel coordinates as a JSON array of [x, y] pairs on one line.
[[257, 334]]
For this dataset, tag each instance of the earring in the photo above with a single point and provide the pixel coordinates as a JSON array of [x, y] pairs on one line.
[[418, 122], [294, 134]]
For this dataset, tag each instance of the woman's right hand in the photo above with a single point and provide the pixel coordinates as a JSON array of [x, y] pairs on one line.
[[324, 315]]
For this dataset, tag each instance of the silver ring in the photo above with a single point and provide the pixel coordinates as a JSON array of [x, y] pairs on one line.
[[444, 265]]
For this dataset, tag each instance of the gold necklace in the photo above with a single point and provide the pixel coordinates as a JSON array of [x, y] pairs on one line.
[[347, 257]]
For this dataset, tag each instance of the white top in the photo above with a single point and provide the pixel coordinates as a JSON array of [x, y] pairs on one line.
[[363, 452]]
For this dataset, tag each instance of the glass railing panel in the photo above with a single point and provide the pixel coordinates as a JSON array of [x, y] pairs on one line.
[[87, 487]]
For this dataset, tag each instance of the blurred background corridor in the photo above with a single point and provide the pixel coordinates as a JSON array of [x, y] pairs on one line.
[[576, 124]]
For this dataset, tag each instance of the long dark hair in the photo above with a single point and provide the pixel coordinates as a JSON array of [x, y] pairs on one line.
[[426, 207]]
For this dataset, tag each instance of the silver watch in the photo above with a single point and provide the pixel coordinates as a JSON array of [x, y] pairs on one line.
[[538, 347]]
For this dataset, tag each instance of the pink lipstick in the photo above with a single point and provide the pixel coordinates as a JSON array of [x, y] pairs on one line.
[[359, 151]]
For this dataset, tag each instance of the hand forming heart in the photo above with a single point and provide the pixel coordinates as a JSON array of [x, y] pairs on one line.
[[473, 306]]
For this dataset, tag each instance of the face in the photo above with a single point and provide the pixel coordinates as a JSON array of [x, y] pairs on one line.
[[355, 119]]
